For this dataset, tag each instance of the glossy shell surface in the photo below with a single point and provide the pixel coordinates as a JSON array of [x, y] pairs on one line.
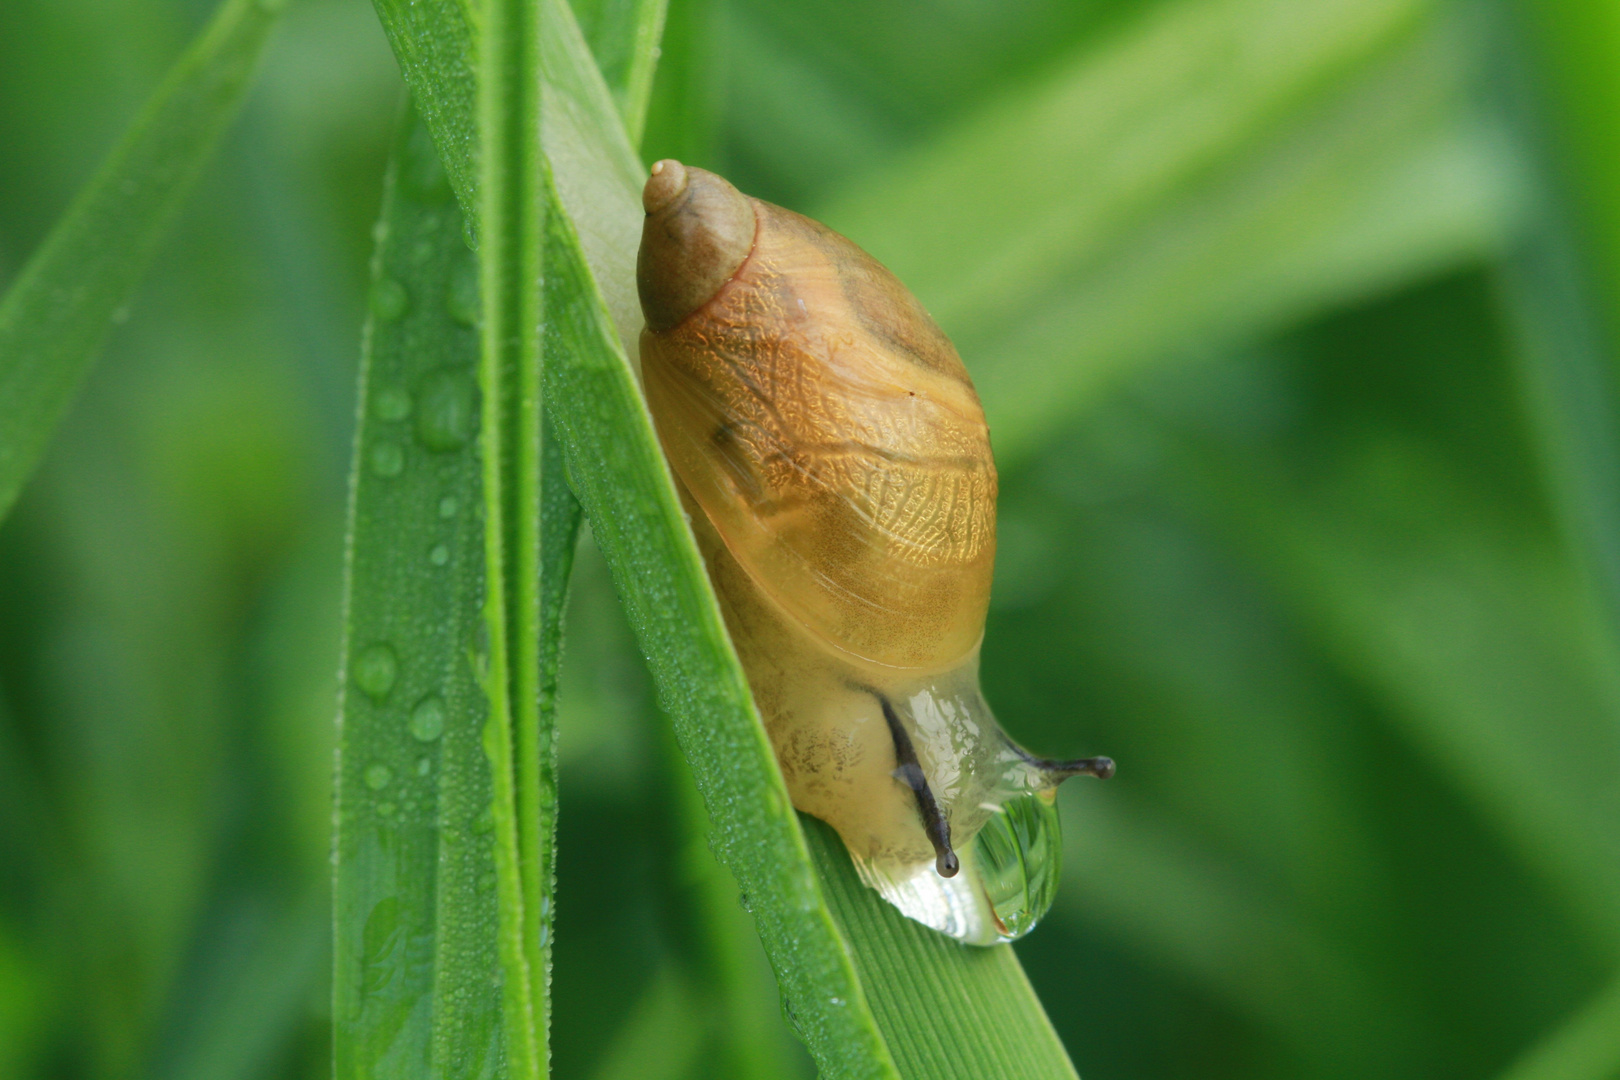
[[829, 431]]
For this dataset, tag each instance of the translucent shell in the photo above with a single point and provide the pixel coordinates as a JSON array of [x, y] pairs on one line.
[[829, 431], [836, 465]]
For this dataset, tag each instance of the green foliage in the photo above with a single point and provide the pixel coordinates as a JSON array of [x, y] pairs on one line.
[[519, 735], [415, 879], [79, 283], [1294, 322]]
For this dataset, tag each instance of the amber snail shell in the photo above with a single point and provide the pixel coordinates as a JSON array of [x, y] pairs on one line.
[[836, 463]]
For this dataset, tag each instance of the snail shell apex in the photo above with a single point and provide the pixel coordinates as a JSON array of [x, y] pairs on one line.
[[821, 420]]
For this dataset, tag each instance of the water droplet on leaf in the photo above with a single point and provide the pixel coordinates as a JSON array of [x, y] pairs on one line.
[[447, 411], [387, 459], [378, 776], [391, 403], [427, 719], [389, 299], [375, 670]]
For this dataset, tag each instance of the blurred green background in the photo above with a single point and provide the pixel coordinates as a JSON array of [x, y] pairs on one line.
[[1290, 318]]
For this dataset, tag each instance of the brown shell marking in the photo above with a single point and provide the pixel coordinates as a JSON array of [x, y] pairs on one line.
[[830, 433]]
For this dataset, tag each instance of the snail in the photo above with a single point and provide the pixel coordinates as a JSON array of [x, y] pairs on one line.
[[835, 463]]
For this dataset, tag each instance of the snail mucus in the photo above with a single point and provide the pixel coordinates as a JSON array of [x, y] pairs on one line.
[[835, 463]]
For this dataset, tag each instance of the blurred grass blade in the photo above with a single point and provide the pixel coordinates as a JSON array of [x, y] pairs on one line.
[[80, 281], [1480, 638], [415, 880], [624, 36], [948, 1011], [744, 1011], [1244, 942], [1584, 1047], [619, 474], [1562, 281], [1573, 46], [662, 1038], [1235, 165], [247, 1013], [517, 737]]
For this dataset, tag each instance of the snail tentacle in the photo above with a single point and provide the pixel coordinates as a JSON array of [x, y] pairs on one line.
[[909, 772]]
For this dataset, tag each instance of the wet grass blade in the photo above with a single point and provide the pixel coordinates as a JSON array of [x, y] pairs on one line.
[[416, 909], [80, 281], [594, 166], [517, 737], [415, 866]]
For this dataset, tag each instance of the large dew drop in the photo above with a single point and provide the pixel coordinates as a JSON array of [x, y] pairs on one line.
[[998, 856], [1005, 884]]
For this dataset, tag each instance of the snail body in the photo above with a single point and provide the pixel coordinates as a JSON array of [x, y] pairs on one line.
[[836, 465]]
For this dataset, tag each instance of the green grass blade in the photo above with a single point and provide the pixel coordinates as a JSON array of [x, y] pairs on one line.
[[77, 285], [594, 166], [1235, 935], [1573, 46], [415, 895], [250, 1010], [511, 232], [744, 1009], [434, 43], [619, 474]]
